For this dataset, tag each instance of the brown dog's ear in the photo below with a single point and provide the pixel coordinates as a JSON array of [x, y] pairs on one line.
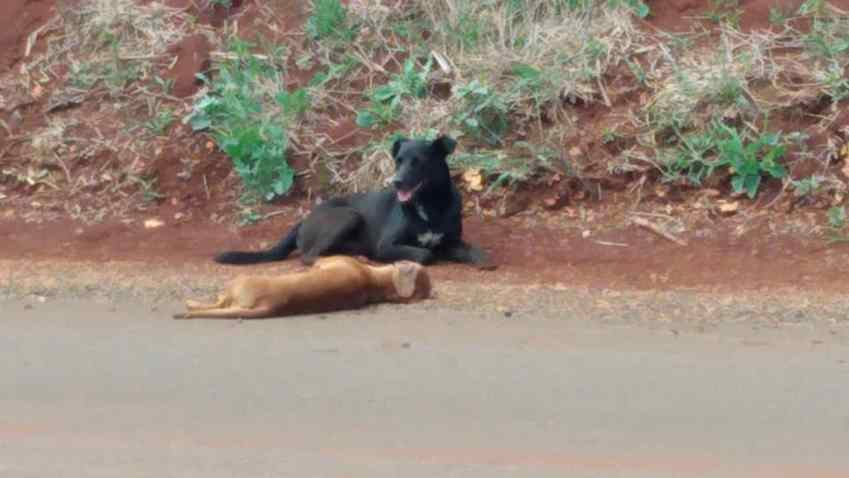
[[396, 146], [445, 144]]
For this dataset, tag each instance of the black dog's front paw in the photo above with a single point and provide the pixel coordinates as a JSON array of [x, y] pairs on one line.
[[422, 256], [481, 260]]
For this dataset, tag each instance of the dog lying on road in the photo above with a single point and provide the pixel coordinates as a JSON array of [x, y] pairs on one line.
[[419, 219], [333, 283]]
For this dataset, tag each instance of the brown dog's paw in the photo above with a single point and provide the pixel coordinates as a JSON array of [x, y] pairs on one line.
[[405, 277]]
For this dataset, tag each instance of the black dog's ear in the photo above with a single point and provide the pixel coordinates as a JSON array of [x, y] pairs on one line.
[[445, 144], [396, 146]]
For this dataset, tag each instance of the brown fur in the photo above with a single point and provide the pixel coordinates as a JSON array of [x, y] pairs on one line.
[[333, 283]]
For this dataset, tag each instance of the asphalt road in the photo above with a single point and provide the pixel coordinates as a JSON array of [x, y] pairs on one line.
[[98, 390]]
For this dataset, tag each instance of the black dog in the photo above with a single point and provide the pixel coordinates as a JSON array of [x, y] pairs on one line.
[[419, 219]]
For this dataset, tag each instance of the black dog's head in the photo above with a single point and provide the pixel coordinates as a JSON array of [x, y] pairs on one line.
[[420, 166]]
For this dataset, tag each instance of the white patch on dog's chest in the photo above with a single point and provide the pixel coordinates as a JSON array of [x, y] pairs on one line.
[[429, 239], [422, 212]]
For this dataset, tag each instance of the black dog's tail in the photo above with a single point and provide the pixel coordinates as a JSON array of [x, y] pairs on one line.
[[277, 253]]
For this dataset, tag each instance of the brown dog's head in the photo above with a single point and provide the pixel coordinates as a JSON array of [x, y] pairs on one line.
[[411, 281]]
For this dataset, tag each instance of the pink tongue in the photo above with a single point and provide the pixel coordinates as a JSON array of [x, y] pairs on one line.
[[404, 196]]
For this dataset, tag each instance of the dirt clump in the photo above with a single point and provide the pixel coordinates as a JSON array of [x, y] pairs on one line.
[[193, 58]]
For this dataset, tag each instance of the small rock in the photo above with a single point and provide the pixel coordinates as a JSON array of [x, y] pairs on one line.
[[728, 207], [406, 345], [474, 179], [153, 223], [586, 233], [575, 152], [506, 312]]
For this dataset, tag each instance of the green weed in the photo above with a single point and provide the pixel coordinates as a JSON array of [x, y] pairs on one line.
[[806, 186], [835, 83], [828, 38], [777, 16], [694, 159], [158, 125], [247, 110], [812, 7], [750, 159], [484, 113], [386, 100], [329, 21], [639, 7], [725, 11], [837, 225], [149, 188]]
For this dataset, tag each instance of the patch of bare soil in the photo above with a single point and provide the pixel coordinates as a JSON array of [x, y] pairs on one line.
[[19, 19], [528, 251], [678, 16]]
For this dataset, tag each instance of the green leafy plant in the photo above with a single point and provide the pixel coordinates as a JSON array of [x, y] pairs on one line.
[[148, 187], [386, 99], [700, 154], [639, 7], [837, 225], [247, 110], [694, 159], [159, 123], [812, 7], [777, 16], [750, 160], [638, 71], [836, 84], [725, 11], [828, 37], [484, 113], [806, 186], [329, 21]]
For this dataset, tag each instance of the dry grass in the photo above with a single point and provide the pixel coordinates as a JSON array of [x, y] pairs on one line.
[[111, 51]]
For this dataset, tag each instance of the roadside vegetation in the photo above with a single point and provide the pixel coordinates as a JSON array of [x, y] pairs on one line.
[[576, 95]]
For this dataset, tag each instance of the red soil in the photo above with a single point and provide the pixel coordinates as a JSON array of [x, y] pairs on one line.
[[19, 19], [623, 259]]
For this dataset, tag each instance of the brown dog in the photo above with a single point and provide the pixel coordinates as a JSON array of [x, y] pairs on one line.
[[333, 283]]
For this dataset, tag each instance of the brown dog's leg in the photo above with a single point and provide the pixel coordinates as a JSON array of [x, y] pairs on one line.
[[195, 305], [227, 313]]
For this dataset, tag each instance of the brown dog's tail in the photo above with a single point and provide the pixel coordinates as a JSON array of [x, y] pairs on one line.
[[277, 253]]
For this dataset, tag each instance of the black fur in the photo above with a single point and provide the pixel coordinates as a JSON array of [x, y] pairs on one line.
[[418, 219]]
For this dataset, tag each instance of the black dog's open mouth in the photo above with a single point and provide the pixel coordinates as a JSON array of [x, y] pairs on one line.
[[405, 196]]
